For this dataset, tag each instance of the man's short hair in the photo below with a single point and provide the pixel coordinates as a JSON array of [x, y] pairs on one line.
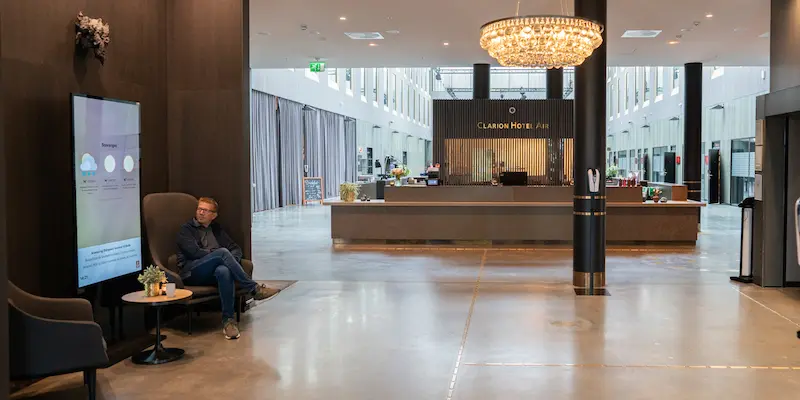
[[211, 201]]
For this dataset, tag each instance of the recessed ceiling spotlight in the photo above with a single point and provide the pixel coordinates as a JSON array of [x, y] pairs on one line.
[[342, 18], [446, 44], [372, 44], [673, 42], [709, 15]]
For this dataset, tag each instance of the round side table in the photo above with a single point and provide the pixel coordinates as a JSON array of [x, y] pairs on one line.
[[159, 354]]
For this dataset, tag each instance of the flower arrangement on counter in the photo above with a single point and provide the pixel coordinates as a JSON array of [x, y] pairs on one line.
[[92, 34], [400, 172]]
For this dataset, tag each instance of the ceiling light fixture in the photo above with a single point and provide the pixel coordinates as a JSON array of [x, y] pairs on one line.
[[709, 15], [342, 18], [673, 42], [372, 44], [641, 34], [446, 44], [541, 41]]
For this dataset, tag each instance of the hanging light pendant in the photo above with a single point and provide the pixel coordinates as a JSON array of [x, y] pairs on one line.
[[541, 41]]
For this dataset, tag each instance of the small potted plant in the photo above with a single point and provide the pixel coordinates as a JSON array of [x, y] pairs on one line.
[[348, 191], [152, 278]]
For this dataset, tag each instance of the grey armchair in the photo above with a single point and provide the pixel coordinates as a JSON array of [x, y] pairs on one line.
[[164, 213], [50, 337]]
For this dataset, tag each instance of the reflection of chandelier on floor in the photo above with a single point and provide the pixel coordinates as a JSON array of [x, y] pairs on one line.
[[541, 41]]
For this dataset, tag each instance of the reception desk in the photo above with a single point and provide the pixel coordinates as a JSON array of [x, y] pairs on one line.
[[505, 215]]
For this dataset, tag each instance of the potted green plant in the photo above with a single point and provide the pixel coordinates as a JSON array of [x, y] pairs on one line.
[[611, 171], [348, 191], [152, 278]]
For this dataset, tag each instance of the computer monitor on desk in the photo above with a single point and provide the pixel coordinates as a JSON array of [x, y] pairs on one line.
[[514, 178]]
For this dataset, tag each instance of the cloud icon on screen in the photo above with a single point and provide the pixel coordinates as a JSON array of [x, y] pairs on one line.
[[88, 165]]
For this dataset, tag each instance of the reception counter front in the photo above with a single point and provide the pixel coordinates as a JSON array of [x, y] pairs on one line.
[[506, 215]]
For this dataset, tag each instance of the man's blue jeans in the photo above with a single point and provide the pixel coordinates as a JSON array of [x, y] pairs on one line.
[[220, 268]]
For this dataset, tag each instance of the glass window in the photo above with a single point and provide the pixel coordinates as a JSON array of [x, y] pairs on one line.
[[363, 82], [402, 98], [647, 93], [716, 72], [636, 80], [375, 85], [659, 82], [609, 101], [386, 87], [619, 98], [413, 104], [333, 77], [627, 92], [408, 99], [676, 74], [394, 88]]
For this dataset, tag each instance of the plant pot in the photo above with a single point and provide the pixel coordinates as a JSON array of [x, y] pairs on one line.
[[152, 290], [349, 197]]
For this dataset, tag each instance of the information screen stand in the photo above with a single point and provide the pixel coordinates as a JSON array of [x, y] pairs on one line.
[[797, 235]]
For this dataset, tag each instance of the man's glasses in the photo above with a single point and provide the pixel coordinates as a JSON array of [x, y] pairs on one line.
[[205, 210]]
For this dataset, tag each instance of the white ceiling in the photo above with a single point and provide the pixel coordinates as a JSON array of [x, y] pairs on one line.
[[729, 38]]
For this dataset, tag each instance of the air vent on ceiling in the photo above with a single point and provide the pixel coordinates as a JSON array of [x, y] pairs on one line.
[[641, 33], [364, 35]]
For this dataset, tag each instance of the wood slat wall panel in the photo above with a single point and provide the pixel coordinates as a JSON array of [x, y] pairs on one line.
[[475, 140]]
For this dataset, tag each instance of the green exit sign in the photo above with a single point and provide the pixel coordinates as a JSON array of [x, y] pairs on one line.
[[316, 66]]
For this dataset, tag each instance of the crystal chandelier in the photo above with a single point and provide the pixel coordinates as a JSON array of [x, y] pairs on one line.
[[541, 41]]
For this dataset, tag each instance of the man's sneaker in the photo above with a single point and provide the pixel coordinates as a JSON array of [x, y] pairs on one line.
[[262, 292], [230, 329]]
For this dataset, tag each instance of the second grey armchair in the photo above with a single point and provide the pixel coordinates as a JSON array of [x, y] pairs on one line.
[[50, 337]]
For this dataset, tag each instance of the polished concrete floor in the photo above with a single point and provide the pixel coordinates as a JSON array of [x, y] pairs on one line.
[[483, 324]]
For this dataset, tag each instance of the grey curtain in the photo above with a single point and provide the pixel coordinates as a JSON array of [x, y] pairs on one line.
[[350, 151], [332, 126], [315, 143], [264, 190], [290, 117]]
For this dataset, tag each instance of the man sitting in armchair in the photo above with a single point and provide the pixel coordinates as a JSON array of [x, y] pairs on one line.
[[208, 256]]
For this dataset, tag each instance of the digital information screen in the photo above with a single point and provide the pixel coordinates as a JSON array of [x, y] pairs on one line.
[[107, 197]]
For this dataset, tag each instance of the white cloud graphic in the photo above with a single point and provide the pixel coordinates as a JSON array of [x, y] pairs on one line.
[[87, 163]]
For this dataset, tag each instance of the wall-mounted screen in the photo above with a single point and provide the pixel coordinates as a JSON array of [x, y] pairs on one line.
[[105, 135]]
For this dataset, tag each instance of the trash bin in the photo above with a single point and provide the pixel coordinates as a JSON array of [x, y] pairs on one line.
[[746, 245]]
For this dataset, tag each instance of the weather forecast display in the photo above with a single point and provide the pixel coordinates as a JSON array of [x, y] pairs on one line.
[[107, 197]]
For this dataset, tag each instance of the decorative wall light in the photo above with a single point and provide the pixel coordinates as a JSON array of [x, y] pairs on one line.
[[92, 34], [541, 41]]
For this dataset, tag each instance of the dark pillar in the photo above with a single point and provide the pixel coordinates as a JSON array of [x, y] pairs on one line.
[[555, 83], [217, 97], [589, 219], [692, 128], [555, 148], [4, 389], [480, 81]]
